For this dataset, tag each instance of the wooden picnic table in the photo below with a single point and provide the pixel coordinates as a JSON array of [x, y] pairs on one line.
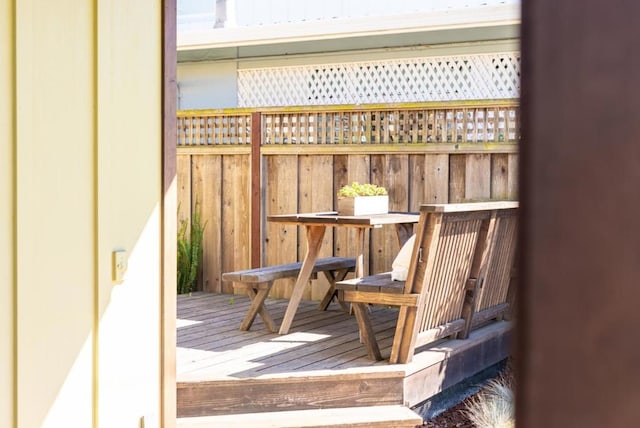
[[315, 226]]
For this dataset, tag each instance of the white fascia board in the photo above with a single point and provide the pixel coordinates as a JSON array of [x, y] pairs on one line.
[[485, 16], [468, 48]]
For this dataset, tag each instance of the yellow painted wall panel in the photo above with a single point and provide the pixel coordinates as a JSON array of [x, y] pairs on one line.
[[6, 214], [55, 211], [87, 140], [129, 177]]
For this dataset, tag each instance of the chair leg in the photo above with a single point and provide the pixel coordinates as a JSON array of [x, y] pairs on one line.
[[467, 314], [511, 298], [366, 331], [403, 340]]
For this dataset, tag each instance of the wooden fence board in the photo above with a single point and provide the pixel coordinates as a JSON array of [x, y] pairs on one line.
[[436, 176], [457, 170], [512, 186], [340, 178], [358, 168], [281, 240], [184, 187], [416, 181], [207, 193], [477, 177], [315, 195], [389, 171], [235, 215], [377, 245], [499, 176]]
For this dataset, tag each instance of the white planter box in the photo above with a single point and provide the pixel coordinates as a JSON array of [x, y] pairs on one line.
[[363, 205]]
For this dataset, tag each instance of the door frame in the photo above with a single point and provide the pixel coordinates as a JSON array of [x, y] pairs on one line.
[[168, 218]]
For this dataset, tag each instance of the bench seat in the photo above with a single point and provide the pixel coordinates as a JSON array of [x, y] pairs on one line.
[[258, 282], [381, 282], [377, 289], [289, 270]]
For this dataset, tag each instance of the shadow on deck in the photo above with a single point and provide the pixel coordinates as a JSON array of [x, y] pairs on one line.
[[320, 364]]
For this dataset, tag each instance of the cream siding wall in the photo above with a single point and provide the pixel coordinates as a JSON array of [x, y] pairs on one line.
[[86, 175], [55, 208], [129, 179]]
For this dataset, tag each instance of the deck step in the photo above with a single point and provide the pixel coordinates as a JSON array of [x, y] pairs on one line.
[[352, 417], [326, 390]]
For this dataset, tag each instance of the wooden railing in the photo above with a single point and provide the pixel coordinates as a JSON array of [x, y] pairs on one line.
[[409, 124], [240, 165], [214, 128]]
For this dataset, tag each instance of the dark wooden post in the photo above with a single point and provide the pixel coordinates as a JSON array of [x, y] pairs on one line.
[[256, 173], [168, 217], [578, 353]]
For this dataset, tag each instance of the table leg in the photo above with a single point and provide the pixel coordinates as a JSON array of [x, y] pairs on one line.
[[314, 242], [360, 256]]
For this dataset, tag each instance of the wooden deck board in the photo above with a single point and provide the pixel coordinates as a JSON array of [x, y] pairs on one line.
[[216, 347], [228, 331], [319, 364], [343, 341]]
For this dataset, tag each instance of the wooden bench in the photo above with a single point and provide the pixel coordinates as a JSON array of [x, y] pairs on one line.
[[258, 283], [458, 278]]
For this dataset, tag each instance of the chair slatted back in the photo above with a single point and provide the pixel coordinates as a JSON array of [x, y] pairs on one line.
[[443, 294], [460, 265], [498, 276]]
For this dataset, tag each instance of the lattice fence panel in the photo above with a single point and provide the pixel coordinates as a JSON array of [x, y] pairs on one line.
[[405, 126], [450, 78], [214, 129]]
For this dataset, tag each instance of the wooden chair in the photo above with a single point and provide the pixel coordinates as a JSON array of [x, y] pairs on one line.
[[458, 277]]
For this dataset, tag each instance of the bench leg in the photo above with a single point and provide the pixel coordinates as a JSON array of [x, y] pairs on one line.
[[257, 307], [333, 277], [366, 331]]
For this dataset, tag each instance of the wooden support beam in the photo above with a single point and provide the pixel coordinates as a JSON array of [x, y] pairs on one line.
[[256, 173], [167, 416], [578, 304]]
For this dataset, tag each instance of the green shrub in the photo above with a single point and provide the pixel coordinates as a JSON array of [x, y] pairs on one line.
[[189, 251]]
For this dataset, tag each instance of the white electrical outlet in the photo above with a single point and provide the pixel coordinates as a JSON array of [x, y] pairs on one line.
[[118, 266]]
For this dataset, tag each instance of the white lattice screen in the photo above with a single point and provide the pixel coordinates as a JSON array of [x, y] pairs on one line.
[[471, 77]]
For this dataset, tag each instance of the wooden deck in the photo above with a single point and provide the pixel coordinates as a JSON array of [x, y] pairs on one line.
[[320, 364]]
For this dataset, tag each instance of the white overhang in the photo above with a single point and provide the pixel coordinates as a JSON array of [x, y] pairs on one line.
[[490, 17]]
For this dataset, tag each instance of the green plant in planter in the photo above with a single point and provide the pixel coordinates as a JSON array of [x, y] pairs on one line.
[[189, 251], [356, 189]]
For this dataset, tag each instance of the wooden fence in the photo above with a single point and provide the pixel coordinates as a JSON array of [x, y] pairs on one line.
[[239, 165]]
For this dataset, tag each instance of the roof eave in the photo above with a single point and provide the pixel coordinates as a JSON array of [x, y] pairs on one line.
[[486, 16]]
